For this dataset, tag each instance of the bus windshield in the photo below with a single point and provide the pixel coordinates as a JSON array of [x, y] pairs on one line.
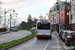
[[44, 26]]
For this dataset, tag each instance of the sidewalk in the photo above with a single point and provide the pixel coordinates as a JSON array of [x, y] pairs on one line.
[[1, 33], [63, 44]]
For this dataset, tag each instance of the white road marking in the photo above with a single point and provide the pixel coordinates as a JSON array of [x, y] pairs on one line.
[[57, 42], [57, 49], [47, 45]]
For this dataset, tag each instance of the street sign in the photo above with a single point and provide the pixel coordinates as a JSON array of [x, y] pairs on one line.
[[60, 23]]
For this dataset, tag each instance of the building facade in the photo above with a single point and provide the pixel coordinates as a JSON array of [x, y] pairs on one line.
[[72, 18], [64, 14], [54, 13]]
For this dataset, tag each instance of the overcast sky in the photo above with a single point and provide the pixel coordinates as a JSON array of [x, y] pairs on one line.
[[26, 7]]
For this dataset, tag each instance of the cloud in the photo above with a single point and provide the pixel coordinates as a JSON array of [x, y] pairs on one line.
[[26, 5]]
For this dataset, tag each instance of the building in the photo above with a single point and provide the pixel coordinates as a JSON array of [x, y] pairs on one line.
[[54, 13], [72, 18], [51, 14], [64, 14], [49, 17]]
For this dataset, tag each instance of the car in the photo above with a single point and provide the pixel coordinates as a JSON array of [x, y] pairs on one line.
[[60, 34], [70, 37], [33, 28], [64, 33], [14, 29], [61, 28]]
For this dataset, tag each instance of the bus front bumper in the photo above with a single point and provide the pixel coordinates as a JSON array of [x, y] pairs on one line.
[[43, 35]]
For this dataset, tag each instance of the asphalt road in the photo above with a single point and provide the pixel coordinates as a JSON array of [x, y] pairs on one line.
[[13, 36], [40, 44]]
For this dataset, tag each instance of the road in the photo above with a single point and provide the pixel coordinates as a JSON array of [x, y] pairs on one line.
[[13, 36], [40, 44]]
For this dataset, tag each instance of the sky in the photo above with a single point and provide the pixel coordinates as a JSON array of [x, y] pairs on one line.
[[26, 7]]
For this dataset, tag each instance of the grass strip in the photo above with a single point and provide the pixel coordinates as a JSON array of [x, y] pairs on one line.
[[54, 30], [7, 44]]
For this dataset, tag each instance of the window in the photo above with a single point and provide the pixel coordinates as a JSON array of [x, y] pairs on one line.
[[71, 17], [72, 33], [57, 7], [62, 14], [67, 13], [59, 20], [45, 26], [62, 20], [68, 20]]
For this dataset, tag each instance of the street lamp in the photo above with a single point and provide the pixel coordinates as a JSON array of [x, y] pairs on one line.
[[5, 15], [11, 17], [14, 21]]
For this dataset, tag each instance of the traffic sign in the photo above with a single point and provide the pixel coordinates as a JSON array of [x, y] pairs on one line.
[[60, 23]]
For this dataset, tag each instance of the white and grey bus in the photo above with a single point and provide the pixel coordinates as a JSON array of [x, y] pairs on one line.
[[44, 28]]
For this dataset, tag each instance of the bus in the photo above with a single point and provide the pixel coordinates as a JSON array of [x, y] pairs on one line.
[[43, 29]]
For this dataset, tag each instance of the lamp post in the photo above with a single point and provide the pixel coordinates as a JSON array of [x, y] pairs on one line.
[[14, 21], [11, 17], [5, 15]]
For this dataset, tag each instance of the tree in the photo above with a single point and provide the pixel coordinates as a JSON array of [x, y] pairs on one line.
[[30, 22], [29, 19], [24, 24]]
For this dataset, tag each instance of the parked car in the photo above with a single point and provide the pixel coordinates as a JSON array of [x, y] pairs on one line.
[[64, 33], [70, 37], [60, 34], [14, 29], [61, 28], [33, 28]]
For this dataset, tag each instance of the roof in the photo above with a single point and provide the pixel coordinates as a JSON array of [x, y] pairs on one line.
[[71, 31], [66, 30]]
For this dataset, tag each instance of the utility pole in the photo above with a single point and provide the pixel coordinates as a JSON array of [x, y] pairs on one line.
[[10, 22], [4, 17], [0, 13]]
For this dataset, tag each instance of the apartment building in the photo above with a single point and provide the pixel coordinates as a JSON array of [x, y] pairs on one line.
[[51, 14], [72, 18], [54, 13], [64, 14]]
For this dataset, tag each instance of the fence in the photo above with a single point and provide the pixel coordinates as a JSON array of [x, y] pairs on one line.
[[2, 29]]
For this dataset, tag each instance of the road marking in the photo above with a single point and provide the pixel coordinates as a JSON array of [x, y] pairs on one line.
[[47, 45], [57, 49], [57, 42]]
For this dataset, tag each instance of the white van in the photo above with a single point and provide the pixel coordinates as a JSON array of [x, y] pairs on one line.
[[44, 28]]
